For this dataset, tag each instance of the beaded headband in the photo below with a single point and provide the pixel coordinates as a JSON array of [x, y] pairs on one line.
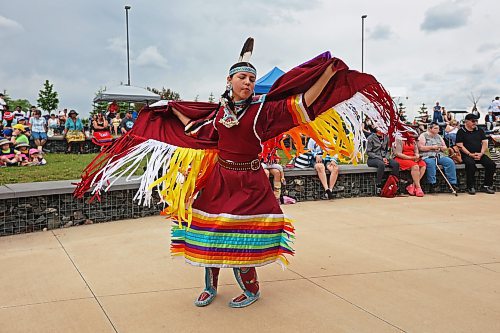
[[243, 69]]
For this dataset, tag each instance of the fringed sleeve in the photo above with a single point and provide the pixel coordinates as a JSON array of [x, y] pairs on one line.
[[176, 165], [334, 119]]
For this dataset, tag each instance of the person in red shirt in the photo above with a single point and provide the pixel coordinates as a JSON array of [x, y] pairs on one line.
[[113, 109]]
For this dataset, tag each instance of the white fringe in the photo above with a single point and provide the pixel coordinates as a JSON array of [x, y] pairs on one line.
[[161, 154]]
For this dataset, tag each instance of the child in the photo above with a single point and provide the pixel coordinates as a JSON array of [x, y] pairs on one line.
[[115, 122], [8, 117], [23, 149], [8, 155], [36, 158]]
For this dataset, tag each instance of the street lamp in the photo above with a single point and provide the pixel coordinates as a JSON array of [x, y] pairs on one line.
[[128, 52], [363, 41]]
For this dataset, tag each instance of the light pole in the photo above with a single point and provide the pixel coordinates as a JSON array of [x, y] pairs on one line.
[[363, 41], [128, 52]]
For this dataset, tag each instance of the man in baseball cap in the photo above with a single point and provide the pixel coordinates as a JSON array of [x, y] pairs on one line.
[[473, 143]]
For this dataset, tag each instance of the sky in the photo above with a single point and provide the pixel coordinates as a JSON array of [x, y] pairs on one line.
[[423, 51]]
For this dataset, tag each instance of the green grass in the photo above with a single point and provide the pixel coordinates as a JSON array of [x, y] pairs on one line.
[[58, 167]]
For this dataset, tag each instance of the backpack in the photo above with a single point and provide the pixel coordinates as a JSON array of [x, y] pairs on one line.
[[390, 188]]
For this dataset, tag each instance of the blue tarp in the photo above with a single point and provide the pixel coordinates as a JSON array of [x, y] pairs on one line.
[[263, 85]]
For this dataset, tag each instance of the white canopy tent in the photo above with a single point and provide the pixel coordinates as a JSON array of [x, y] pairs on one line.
[[126, 93]]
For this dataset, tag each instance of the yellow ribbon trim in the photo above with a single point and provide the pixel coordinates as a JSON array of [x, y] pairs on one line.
[[329, 132], [179, 184]]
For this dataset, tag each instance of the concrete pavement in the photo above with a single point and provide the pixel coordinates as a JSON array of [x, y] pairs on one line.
[[407, 264]]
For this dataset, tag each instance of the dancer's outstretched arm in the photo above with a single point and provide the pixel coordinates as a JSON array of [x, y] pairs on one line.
[[313, 93]]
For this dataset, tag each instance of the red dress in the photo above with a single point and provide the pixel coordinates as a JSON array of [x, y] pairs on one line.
[[236, 219], [408, 150]]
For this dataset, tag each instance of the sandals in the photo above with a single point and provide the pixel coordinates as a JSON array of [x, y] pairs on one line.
[[410, 189], [413, 190], [418, 192]]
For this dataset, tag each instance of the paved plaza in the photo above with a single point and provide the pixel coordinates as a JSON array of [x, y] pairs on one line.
[[407, 264]]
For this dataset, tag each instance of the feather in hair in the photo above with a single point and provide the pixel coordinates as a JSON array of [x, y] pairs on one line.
[[246, 51]]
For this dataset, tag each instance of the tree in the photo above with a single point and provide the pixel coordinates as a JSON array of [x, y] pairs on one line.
[[423, 110], [99, 107], [13, 103], [197, 98], [23, 103], [47, 97], [166, 93], [402, 111], [211, 98]]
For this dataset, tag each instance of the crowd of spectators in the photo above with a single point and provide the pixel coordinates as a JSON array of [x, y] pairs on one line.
[[32, 129], [23, 135]]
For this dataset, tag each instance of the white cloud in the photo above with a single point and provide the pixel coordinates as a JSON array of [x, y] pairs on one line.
[[117, 44], [9, 26], [151, 56], [381, 32], [82, 46], [487, 47], [447, 15]]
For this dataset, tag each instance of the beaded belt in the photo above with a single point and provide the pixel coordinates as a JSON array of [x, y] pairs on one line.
[[253, 165]]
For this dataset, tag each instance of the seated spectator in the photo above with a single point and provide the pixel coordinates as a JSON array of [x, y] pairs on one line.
[[115, 124], [447, 116], [127, 123], [8, 117], [46, 116], [490, 120], [2, 105], [101, 135], [319, 165], [407, 156], [377, 148], [25, 123], [423, 123], [53, 126], [367, 127], [62, 116], [18, 134], [270, 163], [31, 111], [74, 131], [23, 149], [100, 124], [431, 147], [36, 157], [38, 126], [7, 133], [113, 109], [92, 118], [8, 155], [473, 143], [450, 132], [18, 114]]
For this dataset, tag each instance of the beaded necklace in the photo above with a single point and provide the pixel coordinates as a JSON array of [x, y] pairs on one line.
[[230, 117]]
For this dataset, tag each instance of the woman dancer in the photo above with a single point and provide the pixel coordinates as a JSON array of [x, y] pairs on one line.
[[236, 222]]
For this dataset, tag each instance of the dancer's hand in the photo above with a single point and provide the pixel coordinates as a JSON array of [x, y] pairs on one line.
[[338, 65]]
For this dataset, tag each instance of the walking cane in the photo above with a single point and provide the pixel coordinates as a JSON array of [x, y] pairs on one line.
[[444, 176]]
